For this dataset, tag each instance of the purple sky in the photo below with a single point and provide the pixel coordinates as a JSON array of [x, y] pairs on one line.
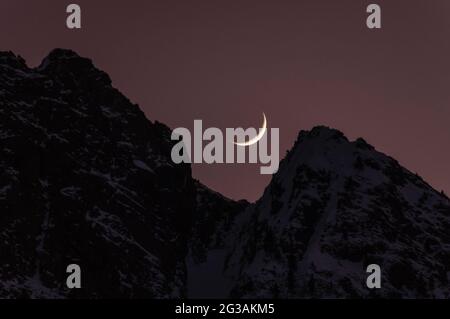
[[303, 63]]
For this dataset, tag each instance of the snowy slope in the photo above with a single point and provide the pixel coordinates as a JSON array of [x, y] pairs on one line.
[[333, 208]]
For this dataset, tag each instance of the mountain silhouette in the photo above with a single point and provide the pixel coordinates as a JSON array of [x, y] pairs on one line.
[[87, 179]]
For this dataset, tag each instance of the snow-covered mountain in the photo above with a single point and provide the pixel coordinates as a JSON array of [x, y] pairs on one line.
[[333, 208], [86, 179]]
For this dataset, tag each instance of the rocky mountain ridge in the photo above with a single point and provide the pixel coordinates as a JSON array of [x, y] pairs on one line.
[[86, 178]]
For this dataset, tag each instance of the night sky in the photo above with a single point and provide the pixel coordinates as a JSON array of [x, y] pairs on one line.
[[303, 63]]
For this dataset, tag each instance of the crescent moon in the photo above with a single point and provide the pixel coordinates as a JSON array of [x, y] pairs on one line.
[[254, 140]]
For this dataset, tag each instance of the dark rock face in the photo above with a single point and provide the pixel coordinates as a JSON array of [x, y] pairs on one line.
[[86, 179], [214, 221], [333, 208]]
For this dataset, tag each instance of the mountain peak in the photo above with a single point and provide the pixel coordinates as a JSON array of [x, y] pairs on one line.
[[59, 53], [319, 135], [80, 161], [62, 62], [333, 208], [9, 58], [63, 56], [322, 132]]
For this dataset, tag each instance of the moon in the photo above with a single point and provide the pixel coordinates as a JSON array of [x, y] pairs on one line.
[[254, 140]]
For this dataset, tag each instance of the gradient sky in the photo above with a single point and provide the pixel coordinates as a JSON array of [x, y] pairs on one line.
[[303, 63]]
